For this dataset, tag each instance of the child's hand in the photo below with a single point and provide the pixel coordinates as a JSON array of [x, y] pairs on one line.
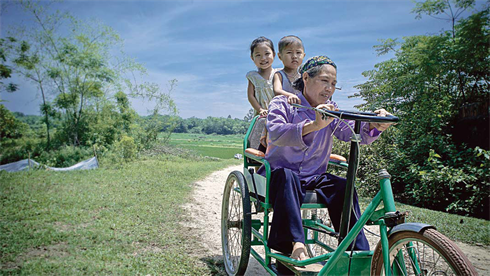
[[263, 112], [293, 99]]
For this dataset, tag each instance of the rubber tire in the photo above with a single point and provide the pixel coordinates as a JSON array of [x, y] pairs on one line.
[[235, 238], [427, 241]]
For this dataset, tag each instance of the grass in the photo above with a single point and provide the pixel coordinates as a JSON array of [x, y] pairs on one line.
[[129, 219], [219, 146], [465, 229], [122, 221]]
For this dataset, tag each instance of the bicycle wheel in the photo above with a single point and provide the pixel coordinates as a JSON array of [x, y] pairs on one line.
[[426, 253], [236, 224], [332, 242]]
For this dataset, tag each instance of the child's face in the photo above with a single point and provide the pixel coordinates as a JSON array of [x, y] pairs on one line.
[[292, 55], [263, 56]]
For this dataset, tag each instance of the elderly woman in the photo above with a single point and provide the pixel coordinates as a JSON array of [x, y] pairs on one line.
[[299, 147]]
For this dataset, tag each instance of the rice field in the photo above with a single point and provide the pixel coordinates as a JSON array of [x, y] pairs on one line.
[[219, 146]]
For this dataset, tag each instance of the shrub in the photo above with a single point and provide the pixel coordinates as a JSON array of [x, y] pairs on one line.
[[65, 156], [460, 184], [126, 148]]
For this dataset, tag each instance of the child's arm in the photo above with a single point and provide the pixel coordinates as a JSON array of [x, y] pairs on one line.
[[253, 101], [277, 84]]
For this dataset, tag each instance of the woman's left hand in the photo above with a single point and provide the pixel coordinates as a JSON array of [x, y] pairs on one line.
[[380, 126]]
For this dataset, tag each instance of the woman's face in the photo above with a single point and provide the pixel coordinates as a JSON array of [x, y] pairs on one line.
[[320, 88]]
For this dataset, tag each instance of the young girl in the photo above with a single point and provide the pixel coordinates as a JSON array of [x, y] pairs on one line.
[[260, 91], [291, 53]]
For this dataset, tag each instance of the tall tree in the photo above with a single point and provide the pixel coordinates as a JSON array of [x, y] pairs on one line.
[[78, 65], [443, 10], [432, 83]]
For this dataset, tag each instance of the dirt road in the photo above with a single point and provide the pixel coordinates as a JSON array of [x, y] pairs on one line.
[[205, 223]]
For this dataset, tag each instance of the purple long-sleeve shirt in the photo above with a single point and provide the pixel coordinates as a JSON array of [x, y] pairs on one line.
[[307, 155]]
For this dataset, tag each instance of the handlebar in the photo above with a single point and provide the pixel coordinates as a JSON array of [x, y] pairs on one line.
[[361, 116], [355, 115]]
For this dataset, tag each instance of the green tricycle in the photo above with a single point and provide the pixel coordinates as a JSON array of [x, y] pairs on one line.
[[403, 249]]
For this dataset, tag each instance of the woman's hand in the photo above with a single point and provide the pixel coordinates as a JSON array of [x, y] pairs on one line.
[[380, 126], [319, 121]]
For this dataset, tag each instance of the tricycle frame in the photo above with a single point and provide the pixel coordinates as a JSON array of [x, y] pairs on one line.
[[341, 261]]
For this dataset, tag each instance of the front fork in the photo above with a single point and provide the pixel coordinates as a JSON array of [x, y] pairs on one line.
[[389, 208]]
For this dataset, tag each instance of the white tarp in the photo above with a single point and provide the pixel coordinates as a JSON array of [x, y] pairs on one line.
[[21, 165], [26, 164]]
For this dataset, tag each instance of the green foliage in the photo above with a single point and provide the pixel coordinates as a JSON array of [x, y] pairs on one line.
[[65, 156], [210, 125], [84, 78], [126, 148], [460, 185], [10, 127], [10, 49], [430, 84], [437, 7], [21, 148]]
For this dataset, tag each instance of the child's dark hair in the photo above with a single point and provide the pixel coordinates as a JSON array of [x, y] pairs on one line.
[[288, 40], [259, 40]]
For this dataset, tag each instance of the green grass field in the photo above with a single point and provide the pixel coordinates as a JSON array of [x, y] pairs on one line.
[[124, 221], [129, 220], [220, 146]]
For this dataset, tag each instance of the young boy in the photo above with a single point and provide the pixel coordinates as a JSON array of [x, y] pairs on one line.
[[291, 53]]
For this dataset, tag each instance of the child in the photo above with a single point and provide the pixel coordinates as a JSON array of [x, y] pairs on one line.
[[260, 91], [291, 53]]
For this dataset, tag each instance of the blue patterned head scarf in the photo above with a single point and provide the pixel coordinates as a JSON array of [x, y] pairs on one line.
[[316, 61]]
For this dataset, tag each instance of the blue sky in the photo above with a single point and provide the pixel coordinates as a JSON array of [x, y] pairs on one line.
[[205, 44]]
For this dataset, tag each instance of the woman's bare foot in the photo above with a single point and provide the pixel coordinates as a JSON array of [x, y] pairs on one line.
[[299, 251]]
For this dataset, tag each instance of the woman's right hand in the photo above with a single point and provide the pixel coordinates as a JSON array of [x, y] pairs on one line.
[[319, 121]]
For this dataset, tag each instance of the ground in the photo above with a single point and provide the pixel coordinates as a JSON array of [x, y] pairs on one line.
[[204, 222]]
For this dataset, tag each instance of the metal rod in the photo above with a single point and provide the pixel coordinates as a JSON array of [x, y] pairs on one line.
[[349, 188]]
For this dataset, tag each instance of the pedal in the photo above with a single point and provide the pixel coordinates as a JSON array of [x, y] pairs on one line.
[[308, 270]]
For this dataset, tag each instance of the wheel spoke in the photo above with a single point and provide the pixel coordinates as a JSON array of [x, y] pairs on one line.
[[427, 259], [236, 227]]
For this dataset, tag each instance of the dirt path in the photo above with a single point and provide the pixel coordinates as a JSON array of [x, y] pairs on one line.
[[205, 222]]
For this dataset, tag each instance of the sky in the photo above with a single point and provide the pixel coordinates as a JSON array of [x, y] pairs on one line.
[[205, 44]]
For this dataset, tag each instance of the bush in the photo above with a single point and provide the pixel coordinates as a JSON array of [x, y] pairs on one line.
[[126, 148], [65, 156], [22, 148], [460, 184]]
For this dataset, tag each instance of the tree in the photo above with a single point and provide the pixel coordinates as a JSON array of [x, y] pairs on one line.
[[77, 66], [443, 10], [429, 84], [6, 47], [10, 127]]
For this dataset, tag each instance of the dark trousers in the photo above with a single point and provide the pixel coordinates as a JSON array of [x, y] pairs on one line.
[[286, 195]]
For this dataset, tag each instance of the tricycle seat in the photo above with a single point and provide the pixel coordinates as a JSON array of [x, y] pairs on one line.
[[310, 197]]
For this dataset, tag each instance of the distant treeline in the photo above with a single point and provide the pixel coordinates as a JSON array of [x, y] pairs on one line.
[[209, 125]]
